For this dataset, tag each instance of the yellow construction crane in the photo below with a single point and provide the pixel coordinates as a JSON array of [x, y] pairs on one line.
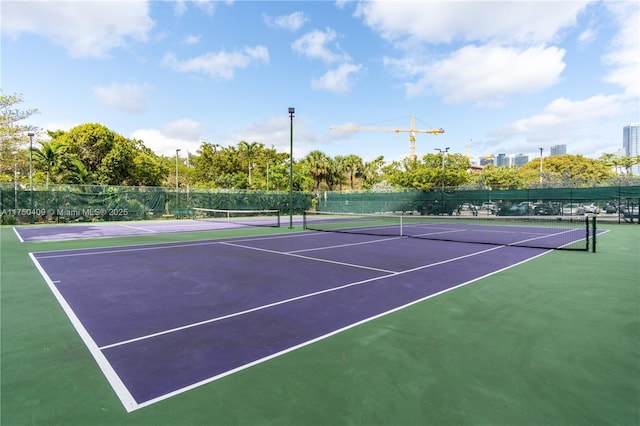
[[412, 131]]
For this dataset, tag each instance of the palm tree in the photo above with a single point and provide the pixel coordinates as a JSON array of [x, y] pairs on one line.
[[626, 162], [371, 171], [48, 157], [607, 159], [319, 166], [617, 163], [335, 172], [249, 150], [78, 173], [354, 166]]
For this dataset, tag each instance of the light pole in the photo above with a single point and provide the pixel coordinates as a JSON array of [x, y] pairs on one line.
[[15, 183], [541, 149], [443, 152], [291, 112], [31, 135], [177, 187]]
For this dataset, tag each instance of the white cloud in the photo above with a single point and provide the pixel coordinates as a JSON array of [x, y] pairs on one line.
[[485, 74], [507, 48], [314, 45], [274, 131], [65, 125], [340, 4], [83, 28], [180, 6], [221, 64], [184, 134], [563, 112], [291, 22], [587, 36], [162, 144], [564, 121], [443, 22], [336, 80], [623, 59], [184, 128], [191, 39], [124, 96]]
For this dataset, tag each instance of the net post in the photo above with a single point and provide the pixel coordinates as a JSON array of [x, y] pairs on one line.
[[593, 233], [587, 235], [401, 230], [278, 215], [304, 219]]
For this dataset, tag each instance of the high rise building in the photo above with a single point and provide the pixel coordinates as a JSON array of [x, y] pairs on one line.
[[631, 143], [502, 160], [520, 160], [558, 150], [486, 161]]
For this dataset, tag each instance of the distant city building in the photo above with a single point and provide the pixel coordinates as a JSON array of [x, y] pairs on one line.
[[558, 150], [631, 143], [486, 161], [502, 160], [520, 160]]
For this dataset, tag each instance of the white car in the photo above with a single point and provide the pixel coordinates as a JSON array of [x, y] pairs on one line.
[[492, 207], [573, 209], [592, 208]]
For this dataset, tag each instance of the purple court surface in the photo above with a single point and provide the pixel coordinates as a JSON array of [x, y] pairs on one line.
[[163, 319], [123, 229]]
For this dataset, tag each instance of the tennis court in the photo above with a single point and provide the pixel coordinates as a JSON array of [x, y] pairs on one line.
[[168, 316], [162, 319], [214, 220]]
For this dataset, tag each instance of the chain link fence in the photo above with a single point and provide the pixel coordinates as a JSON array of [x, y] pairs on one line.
[[93, 203], [619, 203]]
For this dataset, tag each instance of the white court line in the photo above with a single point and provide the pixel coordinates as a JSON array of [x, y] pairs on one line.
[[547, 236], [488, 229], [517, 233], [153, 228], [159, 246], [315, 259], [344, 245], [450, 231], [137, 228], [15, 230], [113, 378]]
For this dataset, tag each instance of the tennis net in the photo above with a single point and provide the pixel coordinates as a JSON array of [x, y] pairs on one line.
[[559, 233], [269, 218]]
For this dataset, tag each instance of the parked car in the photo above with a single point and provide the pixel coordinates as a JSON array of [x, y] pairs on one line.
[[521, 209], [490, 206], [508, 209], [610, 208], [526, 207], [544, 209], [467, 207], [592, 208], [573, 209]]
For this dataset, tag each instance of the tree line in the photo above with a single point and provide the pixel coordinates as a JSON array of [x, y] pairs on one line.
[[93, 154]]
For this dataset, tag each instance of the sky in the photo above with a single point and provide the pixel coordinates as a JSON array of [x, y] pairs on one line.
[[505, 77]]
